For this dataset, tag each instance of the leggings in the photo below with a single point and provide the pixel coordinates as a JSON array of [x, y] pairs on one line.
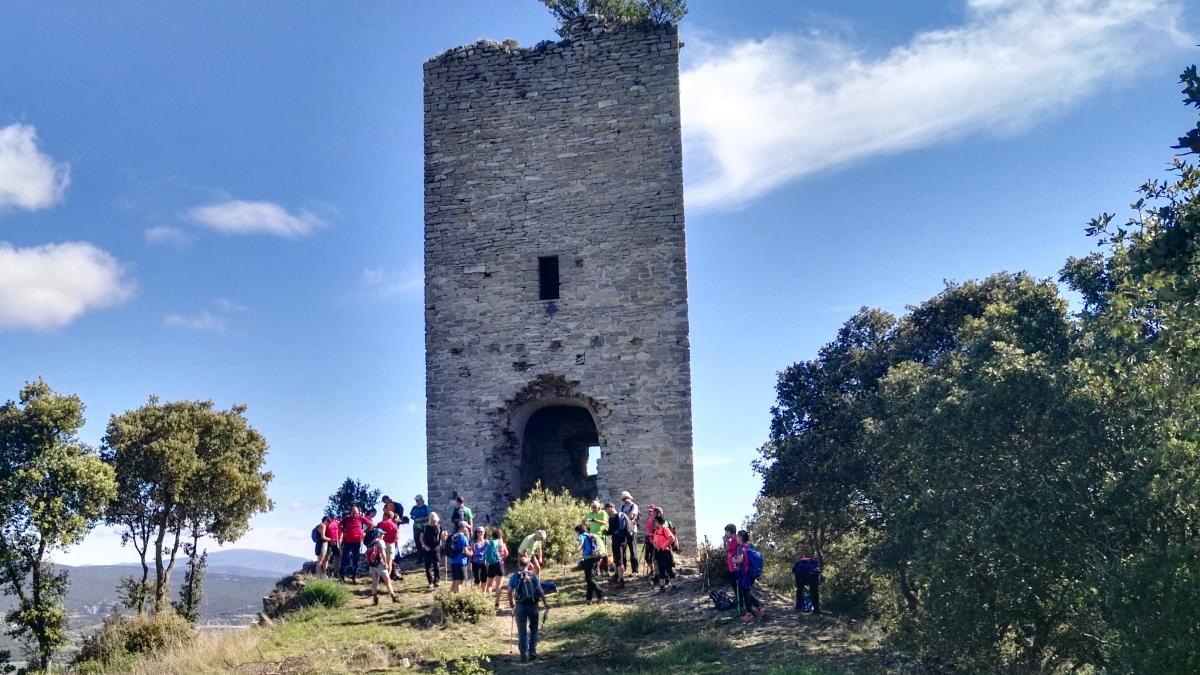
[[589, 578], [747, 603], [432, 570]]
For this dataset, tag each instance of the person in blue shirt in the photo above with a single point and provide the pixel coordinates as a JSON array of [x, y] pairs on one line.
[[524, 592], [419, 514], [591, 547], [459, 556]]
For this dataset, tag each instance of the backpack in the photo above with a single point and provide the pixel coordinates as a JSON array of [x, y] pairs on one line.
[[456, 545], [721, 599], [622, 523], [528, 589], [754, 562], [806, 566], [591, 546], [491, 554], [373, 557], [316, 535]]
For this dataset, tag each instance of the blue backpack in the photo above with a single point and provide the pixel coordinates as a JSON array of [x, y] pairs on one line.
[[754, 561]]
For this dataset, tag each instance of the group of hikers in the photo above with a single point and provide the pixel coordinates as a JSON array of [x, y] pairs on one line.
[[607, 543]]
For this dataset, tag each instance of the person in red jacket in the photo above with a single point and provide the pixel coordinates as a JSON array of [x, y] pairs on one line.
[[354, 528], [390, 532]]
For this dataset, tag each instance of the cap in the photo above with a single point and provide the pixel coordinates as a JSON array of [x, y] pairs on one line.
[[626, 495]]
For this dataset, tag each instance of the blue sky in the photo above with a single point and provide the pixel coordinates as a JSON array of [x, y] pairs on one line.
[[203, 200]]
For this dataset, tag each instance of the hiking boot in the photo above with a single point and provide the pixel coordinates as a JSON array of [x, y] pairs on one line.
[[747, 618], [758, 613], [524, 659], [660, 591], [375, 601], [395, 598], [533, 656]]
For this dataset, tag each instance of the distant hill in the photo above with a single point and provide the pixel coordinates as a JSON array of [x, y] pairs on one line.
[[243, 561]]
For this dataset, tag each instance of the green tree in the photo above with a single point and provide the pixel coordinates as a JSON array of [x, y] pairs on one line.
[[53, 490], [542, 509], [630, 11], [185, 470], [352, 493], [191, 595]]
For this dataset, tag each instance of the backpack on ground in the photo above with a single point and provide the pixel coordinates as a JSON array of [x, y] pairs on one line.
[[721, 599], [528, 589], [316, 534], [754, 560]]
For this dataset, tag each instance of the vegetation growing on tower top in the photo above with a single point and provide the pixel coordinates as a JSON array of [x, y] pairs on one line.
[[629, 11]]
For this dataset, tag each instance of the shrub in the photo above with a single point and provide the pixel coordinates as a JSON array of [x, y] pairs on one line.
[[323, 593], [555, 512], [120, 638], [469, 606], [711, 560]]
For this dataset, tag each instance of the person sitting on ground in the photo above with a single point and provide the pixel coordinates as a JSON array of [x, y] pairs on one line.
[[730, 541], [461, 514], [621, 530], [524, 592], [354, 529], [665, 543], [420, 518], [647, 551], [494, 555], [377, 565], [596, 522], [750, 563], [630, 509], [428, 543], [807, 573], [478, 561], [532, 546], [460, 556], [591, 548]]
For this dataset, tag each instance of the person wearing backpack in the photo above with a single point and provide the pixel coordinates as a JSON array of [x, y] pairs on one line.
[[377, 566], [534, 547], [478, 558], [750, 567], [622, 531], [630, 509], [428, 544], [524, 593], [807, 573], [591, 547], [459, 555], [420, 518], [596, 522], [321, 544], [494, 556], [461, 514], [664, 542]]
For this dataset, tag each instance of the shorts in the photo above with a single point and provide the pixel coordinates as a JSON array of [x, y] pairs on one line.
[[321, 548], [390, 550], [458, 573], [479, 572], [619, 544], [495, 570], [648, 552], [334, 550]]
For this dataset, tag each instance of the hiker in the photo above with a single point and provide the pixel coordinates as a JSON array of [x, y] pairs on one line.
[[621, 530], [354, 529], [494, 556], [807, 573], [596, 522], [420, 518], [461, 514], [428, 543], [377, 564], [665, 542], [532, 546], [750, 564], [459, 554], [524, 592], [591, 547], [730, 540], [630, 509], [334, 530], [320, 537], [391, 506], [478, 563], [647, 551], [389, 528], [444, 551]]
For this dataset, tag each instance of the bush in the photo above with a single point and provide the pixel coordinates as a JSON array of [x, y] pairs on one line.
[[323, 593], [470, 606], [711, 560], [121, 638], [555, 512]]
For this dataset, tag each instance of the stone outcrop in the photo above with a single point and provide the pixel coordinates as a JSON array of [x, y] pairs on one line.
[[555, 271]]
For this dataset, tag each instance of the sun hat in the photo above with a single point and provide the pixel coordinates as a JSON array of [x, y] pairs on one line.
[[625, 495]]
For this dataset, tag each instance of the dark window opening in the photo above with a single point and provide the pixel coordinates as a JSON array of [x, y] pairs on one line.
[[548, 277], [561, 448]]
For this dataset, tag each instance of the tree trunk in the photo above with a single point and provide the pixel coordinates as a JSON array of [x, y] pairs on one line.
[[906, 590]]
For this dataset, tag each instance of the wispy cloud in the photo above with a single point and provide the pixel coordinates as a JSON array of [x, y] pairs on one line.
[[390, 284], [760, 113], [29, 179], [246, 217], [164, 234], [50, 286], [213, 320]]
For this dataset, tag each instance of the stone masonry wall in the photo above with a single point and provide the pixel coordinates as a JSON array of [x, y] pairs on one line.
[[570, 149]]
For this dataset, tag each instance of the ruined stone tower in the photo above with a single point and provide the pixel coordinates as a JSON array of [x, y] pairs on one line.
[[556, 318]]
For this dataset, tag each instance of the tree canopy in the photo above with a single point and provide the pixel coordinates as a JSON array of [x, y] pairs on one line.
[[630, 11], [352, 493]]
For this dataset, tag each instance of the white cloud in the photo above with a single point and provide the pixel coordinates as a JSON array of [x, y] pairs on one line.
[[163, 234], [202, 322], [390, 284], [29, 179], [50, 286], [760, 113], [246, 217], [230, 307]]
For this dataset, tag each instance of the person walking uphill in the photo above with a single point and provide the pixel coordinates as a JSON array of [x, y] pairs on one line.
[[354, 529], [807, 572], [524, 593], [591, 547], [428, 543], [377, 565]]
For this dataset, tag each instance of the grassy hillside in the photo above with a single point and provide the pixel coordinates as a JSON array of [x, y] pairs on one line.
[[636, 632]]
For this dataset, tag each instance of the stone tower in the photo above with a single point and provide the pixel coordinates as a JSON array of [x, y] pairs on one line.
[[556, 317]]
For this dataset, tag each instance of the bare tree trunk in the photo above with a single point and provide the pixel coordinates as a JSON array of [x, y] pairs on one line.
[[907, 591]]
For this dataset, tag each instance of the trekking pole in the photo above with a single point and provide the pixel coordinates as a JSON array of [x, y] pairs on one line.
[[512, 629]]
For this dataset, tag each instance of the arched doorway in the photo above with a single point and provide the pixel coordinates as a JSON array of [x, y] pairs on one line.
[[560, 446]]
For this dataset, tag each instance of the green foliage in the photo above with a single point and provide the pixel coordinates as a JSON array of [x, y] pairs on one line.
[[324, 593], [120, 640], [184, 470], [469, 606], [191, 594], [53, 489], [134, 593], [555, 512], [629, 11], [352, 493], [692, 649]]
